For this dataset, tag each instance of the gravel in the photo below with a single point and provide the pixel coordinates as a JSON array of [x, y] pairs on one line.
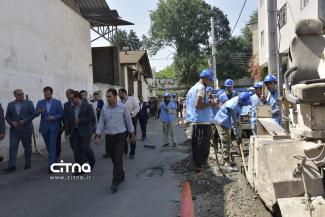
[[217, 194]]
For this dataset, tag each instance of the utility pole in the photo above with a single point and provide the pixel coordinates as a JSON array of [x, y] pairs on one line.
[[214, 52], [273, 37], [275, 62]]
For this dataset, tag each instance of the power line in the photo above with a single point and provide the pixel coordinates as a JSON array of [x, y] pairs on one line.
[[241, 11]]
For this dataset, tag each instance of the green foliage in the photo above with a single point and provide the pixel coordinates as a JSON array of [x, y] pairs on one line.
[[130, 40], [168, 72], [240, 46], [185, 26]]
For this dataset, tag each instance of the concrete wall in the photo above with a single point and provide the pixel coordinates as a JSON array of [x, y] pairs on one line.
[[262, 28], [295, 12], [42, 42], [102, 88], [145, 89]]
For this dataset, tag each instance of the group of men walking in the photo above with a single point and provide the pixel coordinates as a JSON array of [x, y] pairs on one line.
[[79, 119], [206, 112]]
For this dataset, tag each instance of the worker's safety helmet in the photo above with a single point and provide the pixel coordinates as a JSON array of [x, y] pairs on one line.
[[174, 95], [270, 78], [245, 98], [207, 73], [258, 84], [209, 89], [229, 83], [166, 94]]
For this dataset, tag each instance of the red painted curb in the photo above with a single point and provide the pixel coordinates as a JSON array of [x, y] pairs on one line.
[[187, 209]]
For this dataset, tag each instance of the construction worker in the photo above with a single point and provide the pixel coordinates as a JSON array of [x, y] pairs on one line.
[[167, 116], [272, 97], [229, 92], [229, 111], [256, 100], [214, 109], [199, 113]]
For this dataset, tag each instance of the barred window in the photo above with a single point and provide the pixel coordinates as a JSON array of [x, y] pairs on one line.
[[304, 3], [283, 16]]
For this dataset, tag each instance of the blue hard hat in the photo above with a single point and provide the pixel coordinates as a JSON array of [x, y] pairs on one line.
[[269, 78], [229, 83], [209, 89], [166, 94], [174, 94], [258, 84], [245, 98], [207, 73]]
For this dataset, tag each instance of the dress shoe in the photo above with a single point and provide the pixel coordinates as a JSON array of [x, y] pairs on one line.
[[142, 139], [10, 170], [114, 188], [1, 158], [174, 144], [27, 167], [49, 171], [131, 156], [165, 145], [106, 155]]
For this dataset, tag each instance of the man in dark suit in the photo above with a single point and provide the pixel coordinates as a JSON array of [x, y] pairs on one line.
[[2, 127], [20, 114], [66, 109], [80, 128], [143, 117], [51, 112], [97, 104]]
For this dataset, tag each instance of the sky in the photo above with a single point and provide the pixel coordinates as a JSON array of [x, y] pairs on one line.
[[137, 12]]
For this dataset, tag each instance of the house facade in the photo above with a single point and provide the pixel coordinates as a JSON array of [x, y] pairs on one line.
[[289, 13], [136, 74]]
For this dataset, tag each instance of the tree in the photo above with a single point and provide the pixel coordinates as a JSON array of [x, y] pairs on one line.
[[185, 26], [234, 60], [168, 72], [130, 40]]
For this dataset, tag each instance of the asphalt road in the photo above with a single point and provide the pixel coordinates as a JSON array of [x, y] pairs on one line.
[[150, 188]]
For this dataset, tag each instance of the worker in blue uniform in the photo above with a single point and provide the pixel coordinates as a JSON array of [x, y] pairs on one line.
[[167, 116], [229, 111], [272, 97], [256, 100], [214, 109], [229, 92], [199, 114]]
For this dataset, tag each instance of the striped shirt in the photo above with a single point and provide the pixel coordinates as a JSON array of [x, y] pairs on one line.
[[114, 120]]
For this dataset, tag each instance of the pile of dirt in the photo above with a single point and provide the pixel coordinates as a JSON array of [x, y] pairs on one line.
[[216, 194], [184, 166]]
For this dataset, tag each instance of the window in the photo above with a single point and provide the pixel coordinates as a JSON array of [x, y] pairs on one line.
[[261, 3], [282, 16], [262, 38], [303, 3]]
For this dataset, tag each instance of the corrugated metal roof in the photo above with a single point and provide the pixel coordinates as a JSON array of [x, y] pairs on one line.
[[90, 4], [98, 13]]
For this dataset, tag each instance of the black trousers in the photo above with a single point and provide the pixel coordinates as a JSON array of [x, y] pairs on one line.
[[132, 145], [143, 124], [82, 150], [116, 144], [201, 135]]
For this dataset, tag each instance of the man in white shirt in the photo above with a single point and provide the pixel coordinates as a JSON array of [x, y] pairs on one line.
[[133, 107]]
